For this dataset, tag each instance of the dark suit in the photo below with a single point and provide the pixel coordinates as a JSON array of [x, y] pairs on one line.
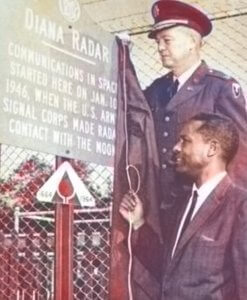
[[210, 261], [206, 90]]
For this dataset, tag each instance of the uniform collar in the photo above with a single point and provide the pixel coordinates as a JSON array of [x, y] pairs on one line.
[[190, 88], [187, 74]]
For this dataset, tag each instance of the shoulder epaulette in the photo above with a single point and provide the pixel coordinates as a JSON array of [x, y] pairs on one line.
[[219, 74]]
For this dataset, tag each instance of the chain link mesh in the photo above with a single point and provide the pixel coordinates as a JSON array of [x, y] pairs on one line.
[[27, 229]]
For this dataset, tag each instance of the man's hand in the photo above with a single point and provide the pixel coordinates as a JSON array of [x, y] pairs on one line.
[[131, 208]]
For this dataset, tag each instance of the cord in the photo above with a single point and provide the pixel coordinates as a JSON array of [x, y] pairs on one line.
[[130, 259], [128, 168]]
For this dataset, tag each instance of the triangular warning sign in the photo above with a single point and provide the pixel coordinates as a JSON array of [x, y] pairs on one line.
[[65, 175]]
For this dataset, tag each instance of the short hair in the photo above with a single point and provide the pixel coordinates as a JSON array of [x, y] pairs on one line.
[[195, 35], [221, 128]]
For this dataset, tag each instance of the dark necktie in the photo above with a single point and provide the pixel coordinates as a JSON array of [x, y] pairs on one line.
[[173, 88], [189, 214]]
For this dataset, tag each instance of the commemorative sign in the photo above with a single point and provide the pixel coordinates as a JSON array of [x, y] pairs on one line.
[[63, 176], [58, 80]]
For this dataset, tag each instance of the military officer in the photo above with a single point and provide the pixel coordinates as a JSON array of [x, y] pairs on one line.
[[189, 88]]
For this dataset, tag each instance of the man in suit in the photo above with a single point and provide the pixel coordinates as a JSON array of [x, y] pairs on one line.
[[206, 256], [189, 88]]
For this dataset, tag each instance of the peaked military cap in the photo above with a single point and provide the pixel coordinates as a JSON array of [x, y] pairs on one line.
[[170, 13]]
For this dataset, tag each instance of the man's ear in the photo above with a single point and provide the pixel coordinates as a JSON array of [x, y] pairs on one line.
[[214, 148]]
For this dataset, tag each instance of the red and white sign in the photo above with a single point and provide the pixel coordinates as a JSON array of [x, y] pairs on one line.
[[67, 185]]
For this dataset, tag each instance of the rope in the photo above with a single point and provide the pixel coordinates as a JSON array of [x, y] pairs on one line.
[[128, 168]]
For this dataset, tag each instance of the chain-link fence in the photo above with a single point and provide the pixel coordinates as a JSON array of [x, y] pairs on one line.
[[27, 227]]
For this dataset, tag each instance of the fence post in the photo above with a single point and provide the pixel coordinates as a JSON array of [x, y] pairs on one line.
[[64, 251], [64, 221]]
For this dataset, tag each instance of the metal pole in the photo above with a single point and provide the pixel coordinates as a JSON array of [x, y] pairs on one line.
[[64, 251], [64, 218]]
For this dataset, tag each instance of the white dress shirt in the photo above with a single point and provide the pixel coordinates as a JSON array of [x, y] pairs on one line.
[[186, 75], [203, 192]]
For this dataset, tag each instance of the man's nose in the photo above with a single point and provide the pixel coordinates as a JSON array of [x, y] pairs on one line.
[[161, 46], [176, 148]]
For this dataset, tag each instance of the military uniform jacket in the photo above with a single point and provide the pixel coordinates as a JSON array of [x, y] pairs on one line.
[[206, 90], [210, 258]]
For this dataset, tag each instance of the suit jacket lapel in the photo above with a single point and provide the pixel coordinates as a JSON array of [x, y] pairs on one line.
[[208, 207], [190, 88]]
